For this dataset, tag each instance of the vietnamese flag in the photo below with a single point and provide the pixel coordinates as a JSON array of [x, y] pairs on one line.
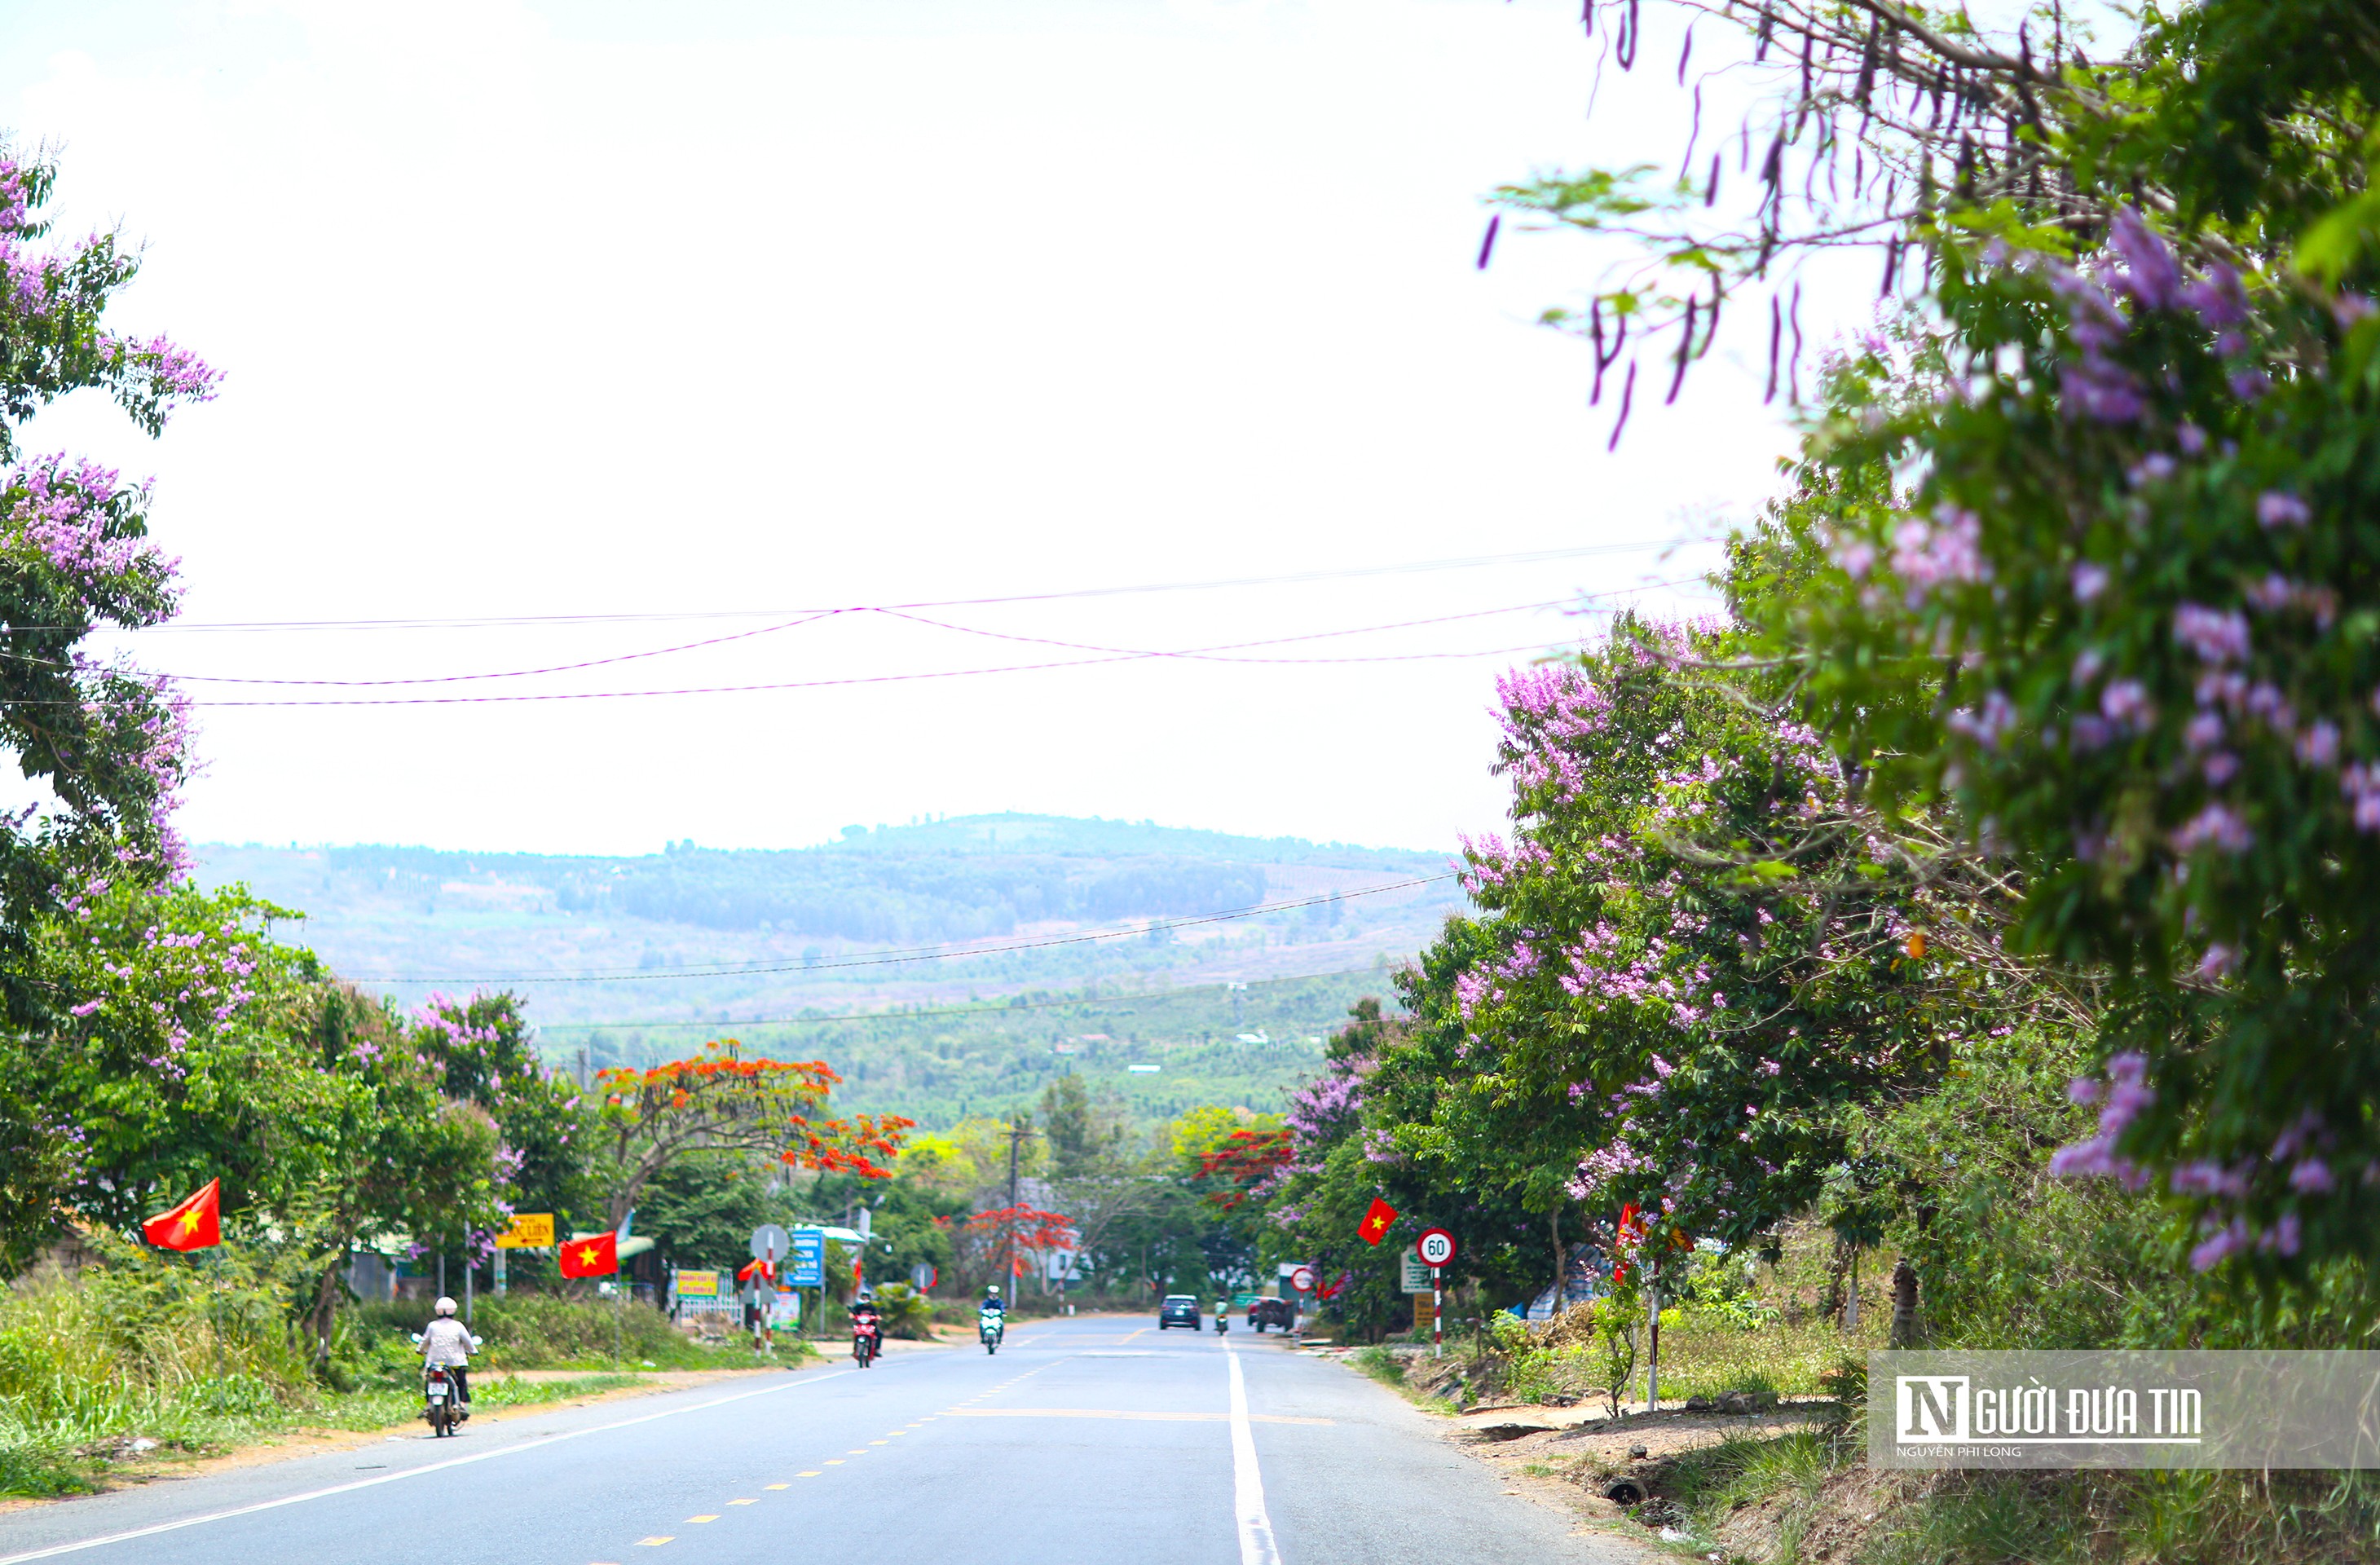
[[194, 1225], [1375, 1226], [595, 1256], [755, 1267]]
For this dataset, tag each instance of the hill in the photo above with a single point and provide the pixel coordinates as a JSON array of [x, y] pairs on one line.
[[952, 960]]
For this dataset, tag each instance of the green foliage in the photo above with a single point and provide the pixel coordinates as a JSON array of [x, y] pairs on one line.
[[906, 1313], [1710, 1483], [701, 1212], [526, 1331]]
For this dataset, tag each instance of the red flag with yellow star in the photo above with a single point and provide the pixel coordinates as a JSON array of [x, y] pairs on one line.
[[194, 1225], [1375, 1226], [595, 1256]]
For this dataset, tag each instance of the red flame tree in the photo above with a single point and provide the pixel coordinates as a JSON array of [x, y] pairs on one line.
[[720, 1101]]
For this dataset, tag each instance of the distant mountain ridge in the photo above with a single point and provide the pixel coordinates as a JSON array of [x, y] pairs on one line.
[[407, 920], [962, 879]]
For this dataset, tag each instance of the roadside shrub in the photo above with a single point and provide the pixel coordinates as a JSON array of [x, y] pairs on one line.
[[907, 1314]]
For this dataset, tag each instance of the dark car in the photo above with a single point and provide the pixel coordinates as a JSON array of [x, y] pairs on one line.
[[1179, 1309], [1278, 1313]]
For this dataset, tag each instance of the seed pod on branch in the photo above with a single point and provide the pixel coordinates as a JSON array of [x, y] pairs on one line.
[[1627, 400], [1685, 352]]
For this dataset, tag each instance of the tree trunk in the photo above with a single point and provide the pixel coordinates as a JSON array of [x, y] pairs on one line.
[[1904, 1303], [1831, 1297], [1562, 1267], [326, 1303]]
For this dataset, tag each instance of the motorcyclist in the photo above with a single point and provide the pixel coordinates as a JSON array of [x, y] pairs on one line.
[[864, 1316], [991, 1304], [446, 1342], [1222, 1316]]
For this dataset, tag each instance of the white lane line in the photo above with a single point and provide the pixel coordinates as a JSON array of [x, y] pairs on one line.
[[1257, 1546], [539, 1442]]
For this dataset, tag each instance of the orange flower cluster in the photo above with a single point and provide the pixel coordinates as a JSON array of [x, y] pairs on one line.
[[1246, 1159], [1035, 1230], [721, 1097], [720, 1062], [843, 1146]]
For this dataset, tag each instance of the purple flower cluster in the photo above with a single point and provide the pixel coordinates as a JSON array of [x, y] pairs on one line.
[[2217, 636], [1948, 549], [2217, 826], [2125, 1094]]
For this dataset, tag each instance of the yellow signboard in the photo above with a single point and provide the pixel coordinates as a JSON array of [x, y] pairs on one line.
[[531, 1230], [698, 1285], [1425, 1312]]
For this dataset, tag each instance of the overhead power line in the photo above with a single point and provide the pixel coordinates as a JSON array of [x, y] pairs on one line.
[[468, 622], [1215, 653], [896, 957]]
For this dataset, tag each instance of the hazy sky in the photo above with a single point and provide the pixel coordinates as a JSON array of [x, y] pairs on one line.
[[709, 309]]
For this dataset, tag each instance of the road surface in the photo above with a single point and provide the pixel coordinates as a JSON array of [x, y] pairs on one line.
[[1094, 1439]]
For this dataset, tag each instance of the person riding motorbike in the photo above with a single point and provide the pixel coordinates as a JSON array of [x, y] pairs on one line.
[[867, 1322], [992, 1318], [446, 1342]]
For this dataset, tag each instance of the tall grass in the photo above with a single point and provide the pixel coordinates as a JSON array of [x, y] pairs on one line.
[[536, 1331], [197, 1354], [148, 1347]]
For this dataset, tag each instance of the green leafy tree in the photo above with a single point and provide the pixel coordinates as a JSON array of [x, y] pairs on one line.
[[105, 739]]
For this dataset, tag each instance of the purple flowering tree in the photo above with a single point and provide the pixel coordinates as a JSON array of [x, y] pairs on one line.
[[2083, 552], [104, 739], [2124, 621], [1695, 959]]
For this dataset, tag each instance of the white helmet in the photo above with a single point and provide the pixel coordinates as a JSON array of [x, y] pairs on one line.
[[991, 1288], [444, 1306]]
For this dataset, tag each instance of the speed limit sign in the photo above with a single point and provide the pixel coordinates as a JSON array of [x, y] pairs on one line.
[[1302, 1279], [1436, 1246]]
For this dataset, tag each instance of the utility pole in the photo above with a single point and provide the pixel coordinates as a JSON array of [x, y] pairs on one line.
[[1017, 1134]]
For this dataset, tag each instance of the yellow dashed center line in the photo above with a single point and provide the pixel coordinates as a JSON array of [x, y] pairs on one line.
[[712, 1517], [652, 1543], [811, 1474], [781, 1485], [743, 1502], [877, 1443], [833, 1462]]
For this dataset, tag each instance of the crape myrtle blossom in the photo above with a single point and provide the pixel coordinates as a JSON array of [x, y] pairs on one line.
[[2186, 773], [1689, 1016]]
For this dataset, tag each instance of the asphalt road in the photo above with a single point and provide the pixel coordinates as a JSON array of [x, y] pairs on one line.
[[1097, 1440]]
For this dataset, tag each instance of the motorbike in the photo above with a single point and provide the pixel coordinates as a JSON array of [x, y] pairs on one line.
[[441, 1404], [445, 1415], [1222, 1316], [989, 1324], [866, 1342]]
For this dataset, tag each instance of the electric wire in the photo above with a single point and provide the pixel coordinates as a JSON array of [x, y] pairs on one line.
[[470, 622], [893, 613]]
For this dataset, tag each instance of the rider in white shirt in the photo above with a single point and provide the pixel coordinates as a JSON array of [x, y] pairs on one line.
[[446, 1342]]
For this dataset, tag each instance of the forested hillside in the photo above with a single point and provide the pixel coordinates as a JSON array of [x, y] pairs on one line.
[[638, 958]]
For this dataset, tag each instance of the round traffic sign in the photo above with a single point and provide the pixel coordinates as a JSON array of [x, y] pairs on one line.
[[1436, 1246], [1302, 1279], [768, 1240], [924, 1275]]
